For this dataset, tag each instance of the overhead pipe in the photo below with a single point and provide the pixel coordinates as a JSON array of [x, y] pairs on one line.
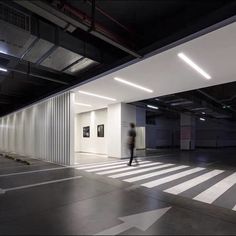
[[229, 99], [214, 99], [60, 18], [35, 75], [93, 27], [110, 17]]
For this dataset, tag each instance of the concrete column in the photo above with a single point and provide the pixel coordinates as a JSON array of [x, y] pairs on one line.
[[187, 131], [120, 115]]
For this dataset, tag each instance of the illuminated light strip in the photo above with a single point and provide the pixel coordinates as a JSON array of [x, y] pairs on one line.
[[2, 69], [153, 107], [82, 104], [96, 95], [193, 65], [133, 85]]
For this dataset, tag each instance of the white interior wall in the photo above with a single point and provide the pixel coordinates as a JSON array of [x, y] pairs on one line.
[[40, 131], [128, 115], [120, 116], [114, 130], [93, 144]]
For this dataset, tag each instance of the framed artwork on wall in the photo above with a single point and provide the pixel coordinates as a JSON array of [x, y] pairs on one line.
[[100, 131], [86, 132]]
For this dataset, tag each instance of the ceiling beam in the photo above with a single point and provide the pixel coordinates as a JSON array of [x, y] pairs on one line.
[[38, 71]]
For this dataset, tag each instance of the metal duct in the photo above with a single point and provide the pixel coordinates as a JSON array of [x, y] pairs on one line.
[[59, 18]]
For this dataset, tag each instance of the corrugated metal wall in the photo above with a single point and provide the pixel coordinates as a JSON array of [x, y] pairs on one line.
[[40, 131]]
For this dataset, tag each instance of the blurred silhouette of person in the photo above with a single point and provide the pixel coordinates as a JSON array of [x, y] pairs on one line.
[[131, 143]]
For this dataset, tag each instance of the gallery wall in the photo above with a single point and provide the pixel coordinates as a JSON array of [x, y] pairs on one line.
[[91, 144]]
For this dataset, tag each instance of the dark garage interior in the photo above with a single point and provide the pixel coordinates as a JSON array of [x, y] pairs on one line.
[[117, 117]]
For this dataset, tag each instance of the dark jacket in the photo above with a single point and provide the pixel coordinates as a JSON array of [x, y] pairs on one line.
[[132, 135]]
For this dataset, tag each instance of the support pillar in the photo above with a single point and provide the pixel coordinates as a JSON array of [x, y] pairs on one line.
[[120, 115], [187, 131]]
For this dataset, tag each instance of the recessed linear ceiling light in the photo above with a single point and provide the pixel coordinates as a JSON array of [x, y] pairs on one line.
[[2, 69], [133, 85], [98, 96], [153, 107], [202, 119], [82, 104], [181, 103], [193, 65]]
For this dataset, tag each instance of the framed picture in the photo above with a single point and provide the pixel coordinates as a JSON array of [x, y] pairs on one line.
[[86, 132], [100, 130]]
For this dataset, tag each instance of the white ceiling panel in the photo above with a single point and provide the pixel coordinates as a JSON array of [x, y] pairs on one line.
[[166, 73]]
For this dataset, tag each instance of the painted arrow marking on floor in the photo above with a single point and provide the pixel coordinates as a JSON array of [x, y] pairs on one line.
[[142, 221]]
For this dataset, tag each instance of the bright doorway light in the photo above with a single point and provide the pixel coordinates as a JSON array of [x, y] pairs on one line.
[[133, 85], [193, 65], [153, 107], [97, 95], [2, 69]]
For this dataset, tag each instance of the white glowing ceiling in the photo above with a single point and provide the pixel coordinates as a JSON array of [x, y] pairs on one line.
[[166, 73]]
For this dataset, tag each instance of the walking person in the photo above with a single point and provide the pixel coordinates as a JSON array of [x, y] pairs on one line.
[[131, 143]]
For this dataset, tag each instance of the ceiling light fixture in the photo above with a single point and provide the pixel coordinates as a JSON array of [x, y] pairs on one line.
[[193, 65], [153, 107], [2, 69], [202, 119], [181, 103], [133, 85], [97, 95], [204, 113], [83, 104], [198, 109]]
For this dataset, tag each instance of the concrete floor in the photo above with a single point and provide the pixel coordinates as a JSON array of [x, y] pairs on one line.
[[45, 199]]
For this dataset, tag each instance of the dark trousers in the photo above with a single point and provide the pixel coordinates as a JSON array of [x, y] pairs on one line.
[[131, 148]]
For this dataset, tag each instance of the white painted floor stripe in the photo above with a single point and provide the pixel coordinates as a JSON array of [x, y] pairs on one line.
[[156, 173], [193, 182], [106, 168], [141, 171], [34, 171], [170, 178], [42, 183], [214, 192], [98, 163], [234, 209], [123, 169], [109, 167], [101, 165]]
